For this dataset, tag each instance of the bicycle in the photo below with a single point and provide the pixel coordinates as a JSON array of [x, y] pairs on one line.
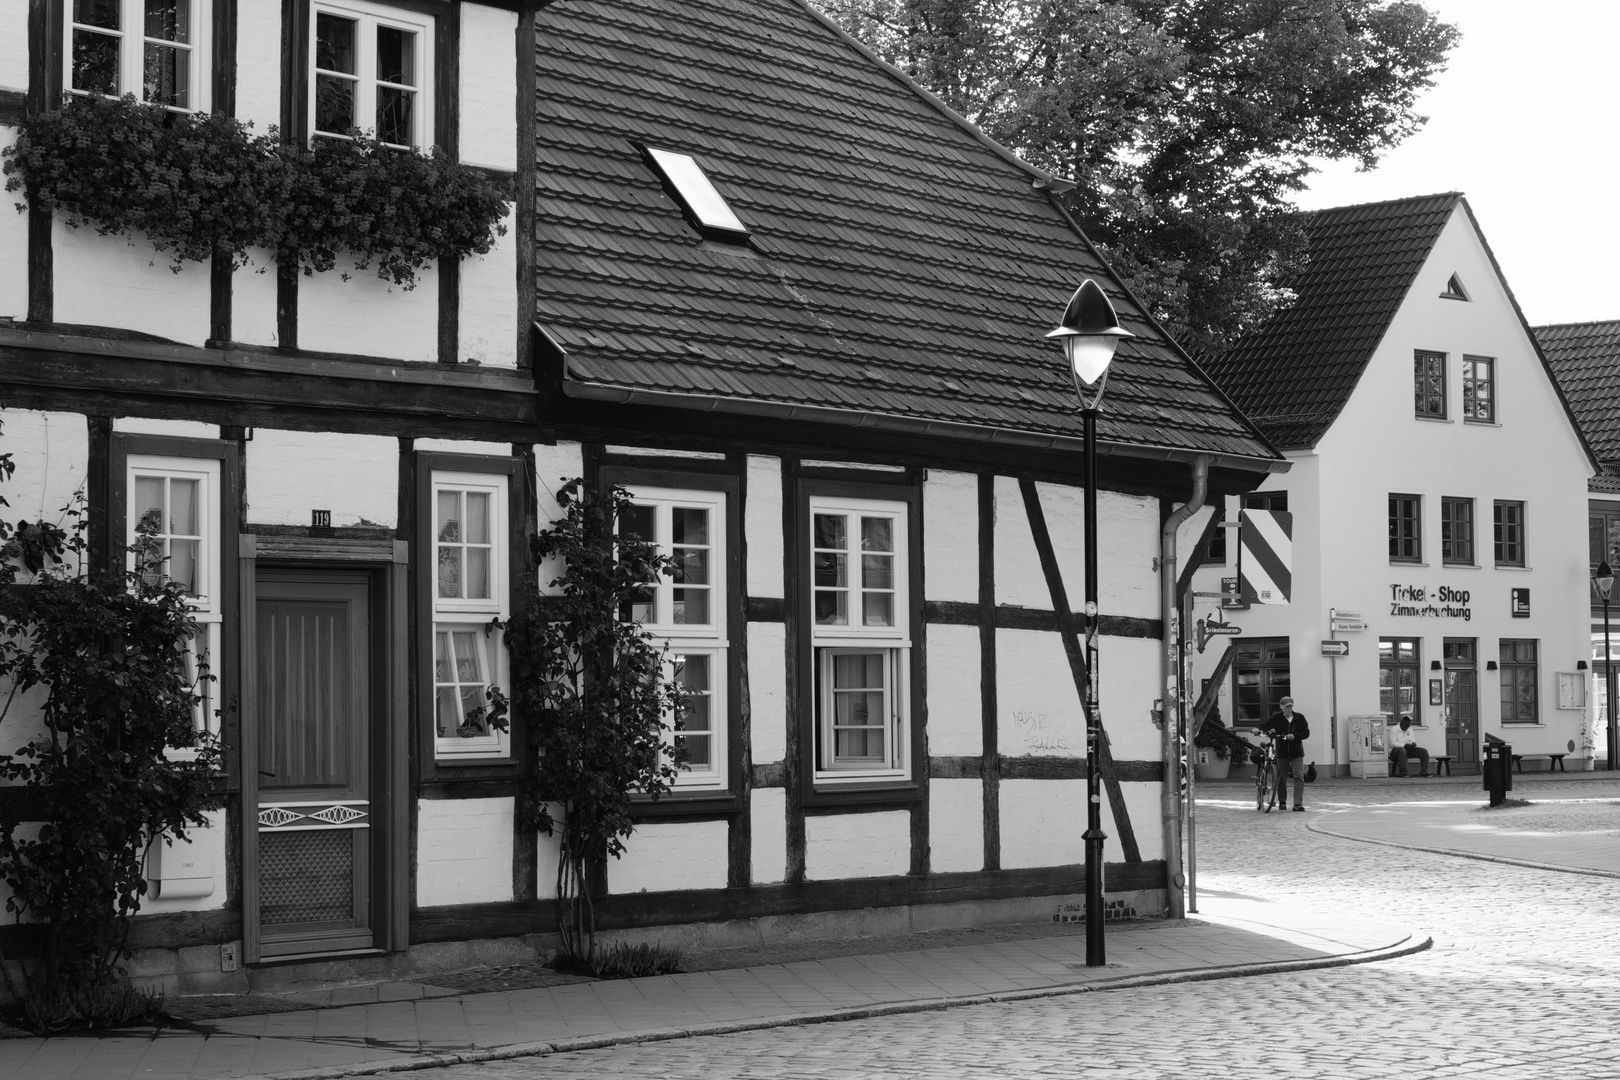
[[1267, 777]]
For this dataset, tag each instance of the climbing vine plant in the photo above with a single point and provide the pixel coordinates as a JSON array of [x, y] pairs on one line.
[[94, 670], [593, 689], [195, 184]]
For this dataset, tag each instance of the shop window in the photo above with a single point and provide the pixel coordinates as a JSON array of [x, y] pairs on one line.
[[1406, 528], [1508, 533], [1429, 375], [469, 588], [1260, 679], [1479, 389], [370, 69], [1457, 531], [1519, 681], [860, 633], [156, 50], [687, 612], [173, 527], [1399, 672]]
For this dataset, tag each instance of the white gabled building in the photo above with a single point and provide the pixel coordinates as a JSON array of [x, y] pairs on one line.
[[1437, 492]]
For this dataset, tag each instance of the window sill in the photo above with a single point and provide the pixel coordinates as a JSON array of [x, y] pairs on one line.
[[1409, 562], [1434, 419], [1462, 566], [1483, 423], [1513, 566], [877, 793], [707, 803]]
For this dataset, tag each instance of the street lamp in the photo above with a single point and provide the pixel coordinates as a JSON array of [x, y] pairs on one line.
[[1604, 580], [1089, 333]]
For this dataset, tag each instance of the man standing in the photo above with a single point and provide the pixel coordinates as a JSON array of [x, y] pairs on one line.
[[1406, 746], [1290, 730]]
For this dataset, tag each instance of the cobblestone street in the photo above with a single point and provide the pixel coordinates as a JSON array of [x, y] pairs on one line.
[[1520, 982]]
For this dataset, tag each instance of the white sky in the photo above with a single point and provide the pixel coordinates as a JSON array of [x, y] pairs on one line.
[[1524, 122]]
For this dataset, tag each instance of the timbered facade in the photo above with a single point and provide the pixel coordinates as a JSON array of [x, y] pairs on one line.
[[780, 294]]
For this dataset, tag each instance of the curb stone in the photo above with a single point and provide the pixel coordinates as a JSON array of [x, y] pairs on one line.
[[1413, 942]]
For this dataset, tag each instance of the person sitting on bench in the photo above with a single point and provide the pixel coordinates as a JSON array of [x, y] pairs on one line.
[[1406, 746]]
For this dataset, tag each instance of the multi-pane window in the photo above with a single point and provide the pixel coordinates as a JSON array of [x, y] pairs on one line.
[[1457, 531], [1507, 530], [1479, 389], [860, 633], [1260, 679], [1216, 554], [469, 589], [1602, 532], [371, 70], [1405, 528], [687, 612], [173, 511], [1429, 383], [154, 49], [1518, 661], [1398, 667]]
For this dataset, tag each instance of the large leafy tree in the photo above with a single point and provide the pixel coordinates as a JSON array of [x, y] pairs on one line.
[[1187, 124]]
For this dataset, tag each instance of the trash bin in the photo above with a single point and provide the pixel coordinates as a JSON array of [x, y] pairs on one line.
[[1498, 769]]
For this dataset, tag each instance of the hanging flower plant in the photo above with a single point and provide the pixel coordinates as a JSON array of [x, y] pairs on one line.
[[194, 184]]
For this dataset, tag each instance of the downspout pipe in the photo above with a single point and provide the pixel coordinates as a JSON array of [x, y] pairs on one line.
[[1170, 670]]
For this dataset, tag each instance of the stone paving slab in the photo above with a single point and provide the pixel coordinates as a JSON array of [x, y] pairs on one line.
[[1580, 835], [1231, 935]]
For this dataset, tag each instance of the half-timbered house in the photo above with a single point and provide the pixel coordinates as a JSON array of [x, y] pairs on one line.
[[796, 307]]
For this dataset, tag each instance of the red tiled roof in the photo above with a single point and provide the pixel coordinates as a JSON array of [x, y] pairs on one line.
[[901, 264], [1294, 374], [1585, 359]]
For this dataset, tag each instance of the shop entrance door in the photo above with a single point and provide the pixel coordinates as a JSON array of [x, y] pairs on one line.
[[1462, 701], [313, 864]]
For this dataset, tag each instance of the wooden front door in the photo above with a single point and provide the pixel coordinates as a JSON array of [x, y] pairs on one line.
[[1462, 701], [315, 862]]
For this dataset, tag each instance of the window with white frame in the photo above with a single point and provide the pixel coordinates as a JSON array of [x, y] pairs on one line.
[[687, 612], [173, 533], [154, 49], [861, 639], [371, 70], [470, 588]]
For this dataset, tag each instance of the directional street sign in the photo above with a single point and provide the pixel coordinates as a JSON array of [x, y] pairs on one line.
[[1346, 621], [1208, 629], [1335, 648]]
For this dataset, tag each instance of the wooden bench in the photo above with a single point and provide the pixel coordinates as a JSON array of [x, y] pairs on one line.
[[1555, 762], [1415, 760]]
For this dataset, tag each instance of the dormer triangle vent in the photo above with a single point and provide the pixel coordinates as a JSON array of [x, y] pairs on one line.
[[1454, 289]]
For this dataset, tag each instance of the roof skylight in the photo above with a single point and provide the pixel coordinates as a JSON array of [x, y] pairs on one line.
[[697, 194]]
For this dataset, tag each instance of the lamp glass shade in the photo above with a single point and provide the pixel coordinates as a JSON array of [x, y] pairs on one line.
[[1604, 579], [1090, 356]]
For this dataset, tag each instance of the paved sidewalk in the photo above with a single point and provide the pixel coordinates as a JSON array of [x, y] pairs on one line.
[[1231, 936], [1575, 835]]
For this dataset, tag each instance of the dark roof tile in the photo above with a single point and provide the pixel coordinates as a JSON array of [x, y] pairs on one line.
[[1585, 359]]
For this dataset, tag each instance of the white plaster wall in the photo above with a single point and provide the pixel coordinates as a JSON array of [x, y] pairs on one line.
[[1042, 822], [13, 225], [1128, 673], [207, 846], [488, 87], [290, 473], [463, 851], [955, 709], [857, 845], [14, 46], [368, 316], [956, 825], [1146, 808], [1127, 543], [767, 691], [1037, 707], [762, 520], [951, 536], [547, 854], [148, 425], [554, 466], [258, 65], [767, 807], [253, 300], [464, 446], [114, 281], [51, 452], [488, 318], [661, 856]]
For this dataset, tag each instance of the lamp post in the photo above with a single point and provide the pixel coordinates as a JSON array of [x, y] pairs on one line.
[[1089, 333], [1604, 580]]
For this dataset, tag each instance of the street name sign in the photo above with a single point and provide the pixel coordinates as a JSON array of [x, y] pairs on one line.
[[1335, 648]]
